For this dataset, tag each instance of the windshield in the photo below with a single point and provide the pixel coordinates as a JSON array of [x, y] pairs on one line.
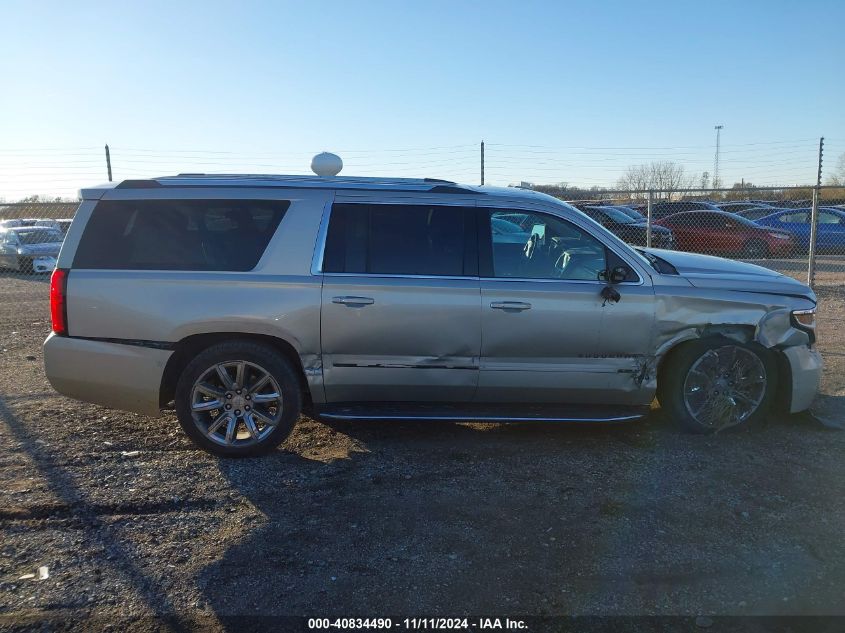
[[745, 221], [501, 226], [615, 214], [40, 236]]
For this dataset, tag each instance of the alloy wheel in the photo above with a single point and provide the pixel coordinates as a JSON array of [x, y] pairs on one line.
[[725, 387], [236, 403]]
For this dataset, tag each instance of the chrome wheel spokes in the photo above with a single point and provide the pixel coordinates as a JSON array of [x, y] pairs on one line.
[[236, 403], [725, 387]]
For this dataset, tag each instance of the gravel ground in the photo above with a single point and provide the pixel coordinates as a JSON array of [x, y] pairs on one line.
[[422, 519]]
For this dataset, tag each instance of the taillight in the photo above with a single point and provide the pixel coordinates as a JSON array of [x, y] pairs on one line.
[[58, 301]]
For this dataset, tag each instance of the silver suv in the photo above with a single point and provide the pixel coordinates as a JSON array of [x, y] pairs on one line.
[[241, 301]]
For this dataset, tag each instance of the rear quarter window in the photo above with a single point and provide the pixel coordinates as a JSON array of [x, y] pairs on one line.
[[228, 235]]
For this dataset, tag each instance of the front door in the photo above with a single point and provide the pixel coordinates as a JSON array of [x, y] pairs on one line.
[[401, 307], [548, 335]]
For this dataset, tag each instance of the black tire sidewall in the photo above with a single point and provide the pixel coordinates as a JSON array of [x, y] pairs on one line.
[[270, 360], [674, 374]]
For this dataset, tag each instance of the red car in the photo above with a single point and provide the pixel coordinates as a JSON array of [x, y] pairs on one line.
[[721, 233]]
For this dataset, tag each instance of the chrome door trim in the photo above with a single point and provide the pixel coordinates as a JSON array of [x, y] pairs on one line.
[[564, 281], [320, 244], [397, 276]]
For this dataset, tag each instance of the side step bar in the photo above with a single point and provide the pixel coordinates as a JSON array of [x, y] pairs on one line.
[[452, 412]]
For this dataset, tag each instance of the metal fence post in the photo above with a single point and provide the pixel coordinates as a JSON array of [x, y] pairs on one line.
[[814, 224], [648, 220]]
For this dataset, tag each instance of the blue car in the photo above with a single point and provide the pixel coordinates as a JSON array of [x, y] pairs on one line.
[[831, 232]]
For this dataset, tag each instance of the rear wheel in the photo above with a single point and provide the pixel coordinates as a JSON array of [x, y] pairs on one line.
[[713, 384], [238, 399], [755, 249]]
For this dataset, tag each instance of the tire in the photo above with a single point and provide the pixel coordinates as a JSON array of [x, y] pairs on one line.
[[683, 385], [201, 386], [755, 249]]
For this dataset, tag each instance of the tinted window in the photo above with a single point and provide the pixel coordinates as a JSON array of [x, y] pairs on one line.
[[399, 240], [547, 248], [178, 234], [826, 217], [796, 218]]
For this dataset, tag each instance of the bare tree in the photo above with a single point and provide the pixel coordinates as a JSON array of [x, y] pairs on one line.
[[665, 177], [838, 176]]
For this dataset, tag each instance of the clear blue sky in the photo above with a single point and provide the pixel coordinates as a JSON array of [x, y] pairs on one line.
[[270, 83]]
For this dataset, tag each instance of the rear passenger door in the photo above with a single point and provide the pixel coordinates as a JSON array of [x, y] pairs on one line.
[[401, 306]]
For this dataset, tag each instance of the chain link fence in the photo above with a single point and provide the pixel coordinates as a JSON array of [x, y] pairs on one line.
[[797, 231], [31, 234]]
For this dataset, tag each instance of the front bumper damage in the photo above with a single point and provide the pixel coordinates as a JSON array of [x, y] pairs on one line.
[[805, 364]]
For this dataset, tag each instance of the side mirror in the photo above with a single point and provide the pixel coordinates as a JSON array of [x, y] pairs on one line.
[[619, 274]]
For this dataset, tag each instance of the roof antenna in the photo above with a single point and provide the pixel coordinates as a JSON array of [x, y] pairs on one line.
[[326, 164]]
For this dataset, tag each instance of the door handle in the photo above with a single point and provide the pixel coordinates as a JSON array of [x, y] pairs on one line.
[[354, 301], [517, 306]]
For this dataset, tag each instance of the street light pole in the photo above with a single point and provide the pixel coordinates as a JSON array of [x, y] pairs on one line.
[[716, 183]]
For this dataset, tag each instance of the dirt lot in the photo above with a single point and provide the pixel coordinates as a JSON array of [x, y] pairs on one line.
[[419, 519]]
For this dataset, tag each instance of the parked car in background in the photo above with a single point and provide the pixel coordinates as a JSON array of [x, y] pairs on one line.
[[722, 233], [663, 208], [49, 223], [628, 229], [30, 248], [10, 223], [830, 237], [749, 210], [631, 212], [756, 214], [62, 224]]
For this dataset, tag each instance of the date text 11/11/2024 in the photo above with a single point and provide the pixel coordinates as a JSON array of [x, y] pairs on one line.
[[418, 623]]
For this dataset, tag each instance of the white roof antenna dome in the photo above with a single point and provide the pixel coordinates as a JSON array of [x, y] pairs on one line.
[[326, 164]]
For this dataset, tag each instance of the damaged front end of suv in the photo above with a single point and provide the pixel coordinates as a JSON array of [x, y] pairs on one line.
[[765, 322]]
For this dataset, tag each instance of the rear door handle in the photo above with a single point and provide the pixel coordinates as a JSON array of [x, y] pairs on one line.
[[518, 306], [354, 301]]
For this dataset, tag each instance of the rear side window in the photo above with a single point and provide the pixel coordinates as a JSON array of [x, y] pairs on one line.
[[401, 240], [178, 234], [800, 217]]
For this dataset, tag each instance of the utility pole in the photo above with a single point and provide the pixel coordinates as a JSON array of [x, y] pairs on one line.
[[716, 183], [482, 162], [814, 221], [108, 161]]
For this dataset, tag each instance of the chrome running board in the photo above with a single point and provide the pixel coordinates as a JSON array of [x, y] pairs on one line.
[[451, 412]]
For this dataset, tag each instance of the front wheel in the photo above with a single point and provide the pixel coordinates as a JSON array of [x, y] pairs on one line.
[[713, 384], [238, 399]]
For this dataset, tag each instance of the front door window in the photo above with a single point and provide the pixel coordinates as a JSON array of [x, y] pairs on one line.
[[530, 245]]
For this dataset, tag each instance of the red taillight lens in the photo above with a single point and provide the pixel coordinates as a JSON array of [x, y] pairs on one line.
[[58, 300]]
